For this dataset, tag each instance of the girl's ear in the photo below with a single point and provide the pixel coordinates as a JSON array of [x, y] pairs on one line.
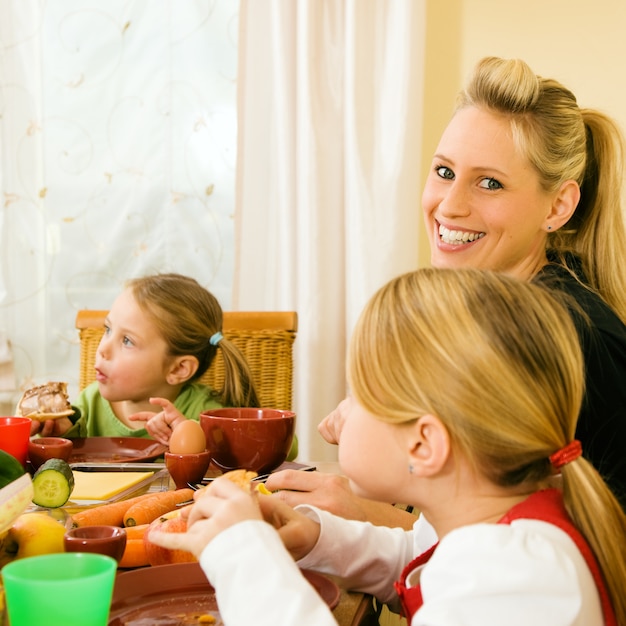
[[563, 205], [181, 369], [429, 446]]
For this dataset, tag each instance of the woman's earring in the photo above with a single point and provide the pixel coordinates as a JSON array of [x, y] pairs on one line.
[[549, 227], [410, 469]]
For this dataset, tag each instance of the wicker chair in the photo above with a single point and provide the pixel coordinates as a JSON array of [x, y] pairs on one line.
[[265, 338]]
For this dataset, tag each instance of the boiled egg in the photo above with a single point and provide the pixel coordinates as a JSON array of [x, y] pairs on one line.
[[187, 438]]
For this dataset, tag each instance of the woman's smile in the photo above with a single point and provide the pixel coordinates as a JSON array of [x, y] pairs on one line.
[[457, 237]]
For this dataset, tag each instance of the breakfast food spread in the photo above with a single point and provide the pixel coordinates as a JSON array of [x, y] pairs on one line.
[[45, 402]]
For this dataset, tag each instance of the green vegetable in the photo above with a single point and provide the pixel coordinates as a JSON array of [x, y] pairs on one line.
[[53, 484], [10, 469]]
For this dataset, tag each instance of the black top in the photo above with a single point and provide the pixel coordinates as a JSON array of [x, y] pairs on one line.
[[602, 422]]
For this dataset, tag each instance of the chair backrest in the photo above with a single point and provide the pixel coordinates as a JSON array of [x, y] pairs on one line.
[[264, 337]]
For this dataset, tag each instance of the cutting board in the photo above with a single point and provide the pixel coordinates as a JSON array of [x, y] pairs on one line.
[[104, 485]]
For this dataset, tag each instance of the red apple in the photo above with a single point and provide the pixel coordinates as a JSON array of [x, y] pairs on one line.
[[158, 555]]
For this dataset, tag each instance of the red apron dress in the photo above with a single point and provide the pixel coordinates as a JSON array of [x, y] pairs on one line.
[[546, 506]]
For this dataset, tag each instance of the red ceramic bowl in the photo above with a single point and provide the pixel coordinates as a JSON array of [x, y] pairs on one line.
[[187, 468], [107, 540], [40, 449], [247, 438]]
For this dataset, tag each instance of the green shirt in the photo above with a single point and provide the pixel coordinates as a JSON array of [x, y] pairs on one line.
[[96, 417]]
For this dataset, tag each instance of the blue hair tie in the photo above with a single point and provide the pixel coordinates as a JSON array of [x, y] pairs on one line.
[[216, 338]]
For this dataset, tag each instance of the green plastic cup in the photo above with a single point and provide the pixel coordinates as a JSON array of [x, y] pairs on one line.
[[65, 589]]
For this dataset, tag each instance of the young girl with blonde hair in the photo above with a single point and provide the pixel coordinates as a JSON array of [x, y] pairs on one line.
[[466, 387]]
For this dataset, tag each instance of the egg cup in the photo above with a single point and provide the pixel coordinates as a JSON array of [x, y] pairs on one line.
[[187, 468], [41, 449], [107, 540]]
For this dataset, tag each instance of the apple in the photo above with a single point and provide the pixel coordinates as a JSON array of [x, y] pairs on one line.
[[30, 535], [158, 555]]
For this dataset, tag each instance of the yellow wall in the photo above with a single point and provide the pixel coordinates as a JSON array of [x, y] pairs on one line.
[[581, 43]]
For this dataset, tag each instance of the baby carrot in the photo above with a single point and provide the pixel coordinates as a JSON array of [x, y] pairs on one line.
[[160, 503], [111, 514], [134, 554]]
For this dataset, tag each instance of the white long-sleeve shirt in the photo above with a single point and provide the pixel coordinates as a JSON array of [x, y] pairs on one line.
[[527, 573]]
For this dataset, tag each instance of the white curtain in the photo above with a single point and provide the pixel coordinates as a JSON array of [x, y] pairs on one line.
[[117, 158], [328, 192]]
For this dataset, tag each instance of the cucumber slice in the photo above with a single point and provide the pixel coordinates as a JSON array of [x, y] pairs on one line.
[[53, 484], [10, 469]]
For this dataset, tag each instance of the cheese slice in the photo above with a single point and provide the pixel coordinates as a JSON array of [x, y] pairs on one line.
[[104, 485]]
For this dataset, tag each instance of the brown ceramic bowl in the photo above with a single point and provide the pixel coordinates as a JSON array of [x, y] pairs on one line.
[[247, 438], [108, 540], [187, 468], [40, 449]]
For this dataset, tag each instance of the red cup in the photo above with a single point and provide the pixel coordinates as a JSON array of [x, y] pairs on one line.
[[14, 436]]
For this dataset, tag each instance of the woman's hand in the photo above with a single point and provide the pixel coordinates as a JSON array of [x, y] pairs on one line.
[[160, 425]]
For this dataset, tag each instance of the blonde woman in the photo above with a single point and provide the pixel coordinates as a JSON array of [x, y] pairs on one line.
[[526, 182], [466, 385]]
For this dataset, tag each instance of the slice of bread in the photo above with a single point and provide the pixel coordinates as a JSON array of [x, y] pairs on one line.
[[242, 478], [45, 402]]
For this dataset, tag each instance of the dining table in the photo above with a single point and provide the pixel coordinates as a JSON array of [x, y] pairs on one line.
[[353, 608]]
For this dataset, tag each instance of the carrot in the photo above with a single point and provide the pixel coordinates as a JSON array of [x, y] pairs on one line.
[[134, 554], [136, 532], [111, 514], [160, 503]]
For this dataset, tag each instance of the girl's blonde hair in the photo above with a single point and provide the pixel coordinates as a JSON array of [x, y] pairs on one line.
[[187, 316], [564, 142], [498, 361]]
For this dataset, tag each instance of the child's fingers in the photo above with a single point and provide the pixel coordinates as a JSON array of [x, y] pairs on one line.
[[164, 403], [275, 511], [172, 541]]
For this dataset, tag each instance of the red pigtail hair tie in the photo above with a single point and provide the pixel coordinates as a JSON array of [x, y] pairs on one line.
[[566, 455]]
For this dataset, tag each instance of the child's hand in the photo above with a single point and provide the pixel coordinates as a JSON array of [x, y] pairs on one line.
[[217, 507], [160, 425], [299, 533], [330, 427], [50, 428]]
